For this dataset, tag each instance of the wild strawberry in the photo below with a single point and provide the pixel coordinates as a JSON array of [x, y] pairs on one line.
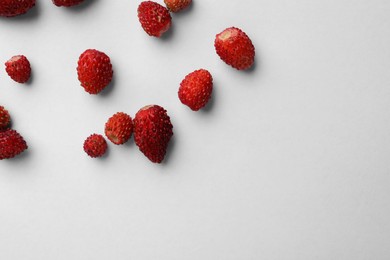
[[10, 8], [94, 71], [152, 132], [119, 128], [195, 89], [5, 118], [18, 68], [235, 48], [11, 144], [67, 3], [155, 19], [95, 145], [177, 5]]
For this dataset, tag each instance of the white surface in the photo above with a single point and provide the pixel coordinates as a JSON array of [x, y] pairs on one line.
[[290, 161]]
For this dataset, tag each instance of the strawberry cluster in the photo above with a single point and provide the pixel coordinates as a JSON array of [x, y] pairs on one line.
[[11, 8], [11, 142], [152, 130], [151, 126]]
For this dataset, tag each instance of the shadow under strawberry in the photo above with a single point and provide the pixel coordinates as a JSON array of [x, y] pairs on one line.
[[170, 150], [81, 7], [108, 89]]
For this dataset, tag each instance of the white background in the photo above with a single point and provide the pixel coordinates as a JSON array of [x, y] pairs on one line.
[[289, 161]]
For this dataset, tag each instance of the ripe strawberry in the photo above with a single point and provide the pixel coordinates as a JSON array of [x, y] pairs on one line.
[[177, 5], [119, 128], [18, 68], [95, 145], [10, 8], [155, 19], [11, 144], [235, 48], [196, 88], [94, 71], [152, 132], [67, 3], [5, 118]]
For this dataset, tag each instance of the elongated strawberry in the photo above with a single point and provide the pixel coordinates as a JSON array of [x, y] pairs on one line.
[[10, 8], [155, 19], [95, 145], [177, 5], [11, 144], [235, 48], [94, 71], [5, 118], [18, 68], [195, 89], [119, 128], [152, 132], [67, 3]]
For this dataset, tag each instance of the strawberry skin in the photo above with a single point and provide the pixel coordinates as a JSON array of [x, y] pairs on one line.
[[195, 89], [18, 68], [119, 128], [11, 144], [235, 48], [152, 132], [95, 145], [67, 3], [94, 71], [10, 8], [177, 5], [5, 118], [155, 19]]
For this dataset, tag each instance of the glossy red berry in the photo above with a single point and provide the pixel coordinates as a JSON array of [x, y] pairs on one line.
[[11, 144], [18, 68], [195, 89], [94, 71], [155, 19], [152, 132], [235, 48], [95, 145], [119, 128]]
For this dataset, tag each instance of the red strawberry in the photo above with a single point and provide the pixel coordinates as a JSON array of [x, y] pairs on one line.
[[196, 88], [11, 144], [119, 128], [95, 145], [155, 19], [5, 118], [152, 132], [67, 3], [235, 48], [177, 5], [94, 71], [18, 68], [10, 8]]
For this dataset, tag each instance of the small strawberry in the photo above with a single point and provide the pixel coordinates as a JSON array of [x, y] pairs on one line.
[[195, 89], [177, 5], [10, 8], [94, 71], [152, 132], [95, 145], [67, 3], [155, 19], [119, 128], [11, 144], [18, 68], [235, 48], [5, 118]]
